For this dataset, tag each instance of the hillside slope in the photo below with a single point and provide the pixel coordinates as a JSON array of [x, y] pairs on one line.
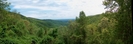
[[14, 26]]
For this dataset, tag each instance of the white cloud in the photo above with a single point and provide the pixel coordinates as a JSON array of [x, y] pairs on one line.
[[59, 8], [35, 7], [35, 1]]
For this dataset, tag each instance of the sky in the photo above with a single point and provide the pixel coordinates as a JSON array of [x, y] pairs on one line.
[[57, 9]]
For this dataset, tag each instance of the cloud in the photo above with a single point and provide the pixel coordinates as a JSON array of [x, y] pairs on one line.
[[57, 9]]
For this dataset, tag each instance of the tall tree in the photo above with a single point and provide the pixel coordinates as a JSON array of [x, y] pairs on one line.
[[82, 26], [124, 18]]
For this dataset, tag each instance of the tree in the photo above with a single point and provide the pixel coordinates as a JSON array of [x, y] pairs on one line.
[[103, 24], [111, 5], [124, 18], [53, 33], [82, 22], [40, 33], [4, 4]]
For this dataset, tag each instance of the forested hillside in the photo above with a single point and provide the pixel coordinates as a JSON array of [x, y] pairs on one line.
[[112, 27]]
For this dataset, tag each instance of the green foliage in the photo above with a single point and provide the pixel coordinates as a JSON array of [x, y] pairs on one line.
[[7, 41], [4, 4], [47, 40], [40, 33], [113, 27], [54, 33], [124, 18]]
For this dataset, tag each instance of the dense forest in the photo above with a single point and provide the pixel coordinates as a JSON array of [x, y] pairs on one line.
[[112, 27]]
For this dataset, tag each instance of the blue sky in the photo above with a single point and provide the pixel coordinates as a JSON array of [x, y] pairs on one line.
[[57, 9]]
